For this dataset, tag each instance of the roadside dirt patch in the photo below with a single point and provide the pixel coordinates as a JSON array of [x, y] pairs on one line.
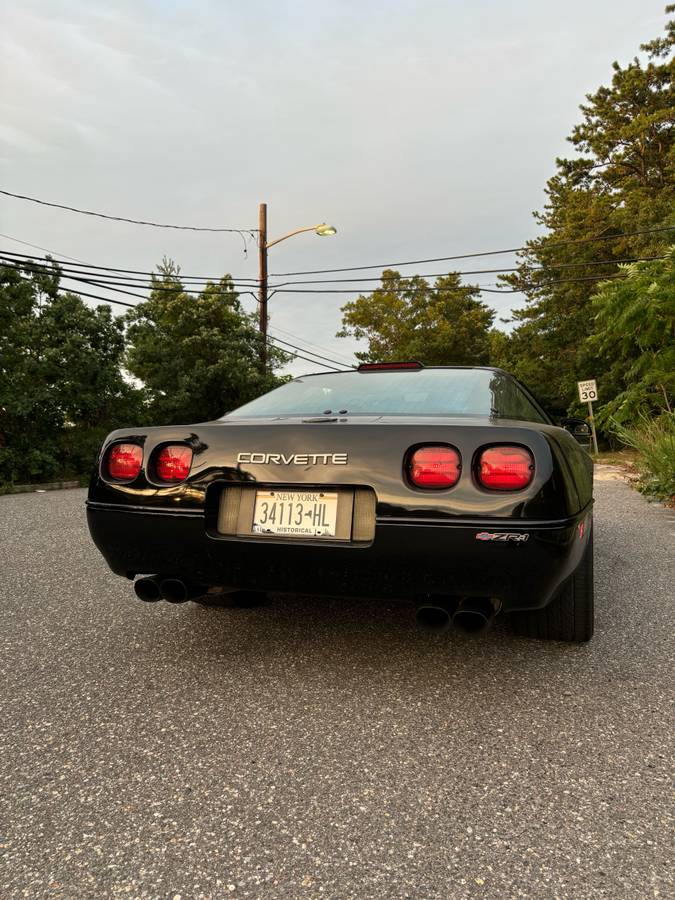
[[604, 472]]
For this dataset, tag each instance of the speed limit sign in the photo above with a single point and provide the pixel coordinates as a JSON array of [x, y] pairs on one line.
[[588, 391]]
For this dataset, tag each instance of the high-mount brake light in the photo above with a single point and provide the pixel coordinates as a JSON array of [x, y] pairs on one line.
[[390, 366], [173, 462], [124, 461], [434, 468], [505, 468]]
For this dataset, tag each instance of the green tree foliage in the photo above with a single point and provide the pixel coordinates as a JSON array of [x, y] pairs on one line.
[[61, 387], [198, 356], [634, 340], [622, 180], [405, 318]]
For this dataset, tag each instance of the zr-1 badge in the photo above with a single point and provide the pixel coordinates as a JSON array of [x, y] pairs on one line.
[[502, 536]]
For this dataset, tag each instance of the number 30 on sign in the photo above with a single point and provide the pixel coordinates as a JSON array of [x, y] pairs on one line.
[[588, 391]]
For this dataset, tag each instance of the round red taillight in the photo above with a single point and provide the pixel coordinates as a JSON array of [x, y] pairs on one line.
[[173, 462], [434, 468], [505, 468], [124, 461]]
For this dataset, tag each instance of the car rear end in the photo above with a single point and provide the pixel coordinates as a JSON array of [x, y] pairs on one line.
[[340, 503]]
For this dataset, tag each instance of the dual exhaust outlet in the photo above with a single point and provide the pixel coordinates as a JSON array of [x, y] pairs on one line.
[[173, 590], [470, 615]]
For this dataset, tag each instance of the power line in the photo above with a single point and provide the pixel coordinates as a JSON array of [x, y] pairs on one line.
[[306, 350], [543, 284], [111, 284], [598, 262], [341, 356], [416, 262], [300, 356], [270, 338], [129, 274], [437, 289], [86, 212], [154, 282], [37, 247], [434, 288], [164, 288], [480, 288], [105, 299], [126, 272]]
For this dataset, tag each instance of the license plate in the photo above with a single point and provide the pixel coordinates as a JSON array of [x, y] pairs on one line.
[[295, 513]]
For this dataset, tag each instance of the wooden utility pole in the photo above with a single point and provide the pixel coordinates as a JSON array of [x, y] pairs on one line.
[[262, 283]]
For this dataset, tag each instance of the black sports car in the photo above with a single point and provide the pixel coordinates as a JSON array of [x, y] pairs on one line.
[[448, 486]]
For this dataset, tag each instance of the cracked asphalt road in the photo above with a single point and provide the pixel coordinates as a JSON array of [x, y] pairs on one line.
[[327, 748]]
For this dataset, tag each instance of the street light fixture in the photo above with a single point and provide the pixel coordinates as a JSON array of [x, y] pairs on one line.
[[323, 230]]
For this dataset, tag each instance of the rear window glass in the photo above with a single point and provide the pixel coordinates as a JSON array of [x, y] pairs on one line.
[[440, 392]]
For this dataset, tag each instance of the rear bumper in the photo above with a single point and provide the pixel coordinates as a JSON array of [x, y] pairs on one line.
[[405, 559]]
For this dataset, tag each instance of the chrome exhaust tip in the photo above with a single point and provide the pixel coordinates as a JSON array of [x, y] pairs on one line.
[[147, 589], [432, 618], [474, 614], [175, 590]]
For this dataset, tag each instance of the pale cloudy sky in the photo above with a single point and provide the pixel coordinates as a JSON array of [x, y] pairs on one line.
[[420, 128]]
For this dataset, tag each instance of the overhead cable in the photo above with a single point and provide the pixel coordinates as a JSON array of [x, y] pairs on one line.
[[87, 212], [126, 272], [416, 262], [155, 282], [306, 350], [440, 289], [300, 356], [9, 237], [322, 347], [597, 262], [101, 281]]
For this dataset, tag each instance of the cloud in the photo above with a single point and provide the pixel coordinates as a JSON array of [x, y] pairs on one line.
[[419, 128]]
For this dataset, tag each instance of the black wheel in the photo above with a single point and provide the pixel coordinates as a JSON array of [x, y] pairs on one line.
[[233, 599], [569, 616]]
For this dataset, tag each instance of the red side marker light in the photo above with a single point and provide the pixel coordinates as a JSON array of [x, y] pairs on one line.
[[124, 461], [173, 463], [505, 468], [435, 468]]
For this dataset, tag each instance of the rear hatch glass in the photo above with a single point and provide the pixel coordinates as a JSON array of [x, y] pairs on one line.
[[414, 392]]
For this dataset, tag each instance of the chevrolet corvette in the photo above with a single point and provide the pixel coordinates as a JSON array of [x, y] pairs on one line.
[[448, 487]]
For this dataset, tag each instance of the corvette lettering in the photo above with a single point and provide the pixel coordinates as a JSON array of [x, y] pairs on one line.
[[502, 536], [294, 459]]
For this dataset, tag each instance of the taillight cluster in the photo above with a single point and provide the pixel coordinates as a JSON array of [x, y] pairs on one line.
[[173, 462], [435, 468], [505, 468], [499, 468], [170, 464], [124, 461]]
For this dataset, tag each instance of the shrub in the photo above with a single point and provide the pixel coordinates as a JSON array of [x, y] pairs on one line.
[[654, 440]]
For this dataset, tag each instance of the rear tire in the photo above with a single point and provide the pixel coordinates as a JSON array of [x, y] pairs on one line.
[[570, 614]]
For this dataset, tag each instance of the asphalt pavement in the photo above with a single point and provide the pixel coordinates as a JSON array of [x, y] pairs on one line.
[[327, 748]]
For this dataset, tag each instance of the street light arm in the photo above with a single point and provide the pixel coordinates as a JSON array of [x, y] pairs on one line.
[[292, 234]]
